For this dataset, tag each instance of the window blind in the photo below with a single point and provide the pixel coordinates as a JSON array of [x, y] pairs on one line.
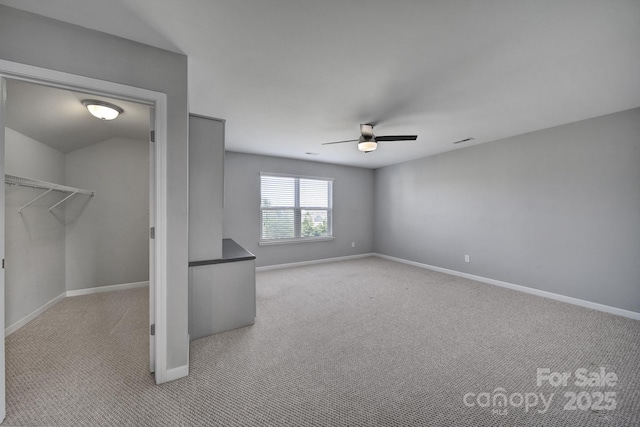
[[295, 208]]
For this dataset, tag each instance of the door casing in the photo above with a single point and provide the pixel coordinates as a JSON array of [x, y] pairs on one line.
[[158, 103]]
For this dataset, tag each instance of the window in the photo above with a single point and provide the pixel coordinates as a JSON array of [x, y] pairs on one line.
[[295, 208]]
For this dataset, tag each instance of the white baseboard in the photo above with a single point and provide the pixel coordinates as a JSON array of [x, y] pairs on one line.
[[315, 261], [29, 317], [109, 288], [176, 373], [545, 294], [37, 312]]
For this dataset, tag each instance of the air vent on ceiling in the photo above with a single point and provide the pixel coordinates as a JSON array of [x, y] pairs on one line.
[[463, 140]]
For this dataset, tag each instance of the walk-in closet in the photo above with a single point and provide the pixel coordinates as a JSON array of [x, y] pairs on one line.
[[76, 226]]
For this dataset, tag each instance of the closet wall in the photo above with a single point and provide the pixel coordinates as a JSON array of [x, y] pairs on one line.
[[34, 239], [107, 243], [88, 243]]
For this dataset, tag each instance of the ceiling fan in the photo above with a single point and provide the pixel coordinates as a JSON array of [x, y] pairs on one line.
[[369, 142]]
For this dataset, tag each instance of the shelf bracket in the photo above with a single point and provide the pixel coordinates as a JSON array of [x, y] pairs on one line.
[[63, 200], [37, 198]]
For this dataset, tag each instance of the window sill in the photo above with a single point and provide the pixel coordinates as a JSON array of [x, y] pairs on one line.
[[300, 240]]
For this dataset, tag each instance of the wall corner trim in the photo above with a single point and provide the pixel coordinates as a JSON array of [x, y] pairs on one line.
[[176, 373], [558, 297]]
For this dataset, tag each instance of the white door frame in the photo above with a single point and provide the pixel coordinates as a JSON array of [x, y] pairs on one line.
[[3, 99], [152, 241], [158, 101]]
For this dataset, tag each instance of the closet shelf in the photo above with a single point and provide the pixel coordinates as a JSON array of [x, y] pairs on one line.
[[43, 185]]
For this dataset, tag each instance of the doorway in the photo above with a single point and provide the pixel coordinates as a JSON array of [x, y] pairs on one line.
[[77, 201], [155, 100]]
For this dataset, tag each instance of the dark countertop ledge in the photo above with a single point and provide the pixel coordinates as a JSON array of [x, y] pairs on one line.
[[231, 252]]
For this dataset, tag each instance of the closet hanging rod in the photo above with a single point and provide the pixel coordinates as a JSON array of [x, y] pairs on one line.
[[43, 185]]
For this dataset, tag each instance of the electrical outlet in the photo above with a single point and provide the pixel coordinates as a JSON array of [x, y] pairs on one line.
[[466, 258], [353, 244]]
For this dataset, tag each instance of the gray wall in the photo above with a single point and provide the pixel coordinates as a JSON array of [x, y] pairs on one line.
[[352, 208], [107, 235], [34, 239], [556, 210], [206, 188], [42, 42]]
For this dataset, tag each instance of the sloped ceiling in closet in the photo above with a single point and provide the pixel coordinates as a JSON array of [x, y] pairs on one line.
[[56, 117]]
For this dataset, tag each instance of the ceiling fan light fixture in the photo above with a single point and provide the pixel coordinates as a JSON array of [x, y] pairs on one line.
[[369, 142], [367, 146], [102, 110]]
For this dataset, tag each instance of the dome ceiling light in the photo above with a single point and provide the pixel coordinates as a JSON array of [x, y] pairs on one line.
[[102, 110]]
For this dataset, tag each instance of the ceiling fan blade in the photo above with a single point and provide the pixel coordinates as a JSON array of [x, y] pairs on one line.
[[339, 142], [397, 138]]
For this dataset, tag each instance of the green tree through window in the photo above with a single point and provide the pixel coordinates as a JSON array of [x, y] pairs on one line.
[[311, 229]]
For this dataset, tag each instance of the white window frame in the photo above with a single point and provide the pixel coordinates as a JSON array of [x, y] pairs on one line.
[[298, 212]]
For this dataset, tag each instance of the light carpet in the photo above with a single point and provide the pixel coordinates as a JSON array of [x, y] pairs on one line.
[[367, 342]]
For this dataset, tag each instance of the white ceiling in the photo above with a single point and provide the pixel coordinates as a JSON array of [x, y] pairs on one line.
[[291, 74], [56, 117]]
